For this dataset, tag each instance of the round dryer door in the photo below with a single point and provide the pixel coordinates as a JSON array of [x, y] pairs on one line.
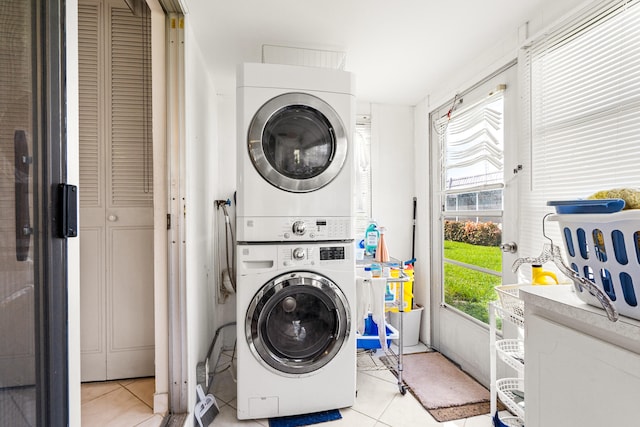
[[297, 142], [297, 322]]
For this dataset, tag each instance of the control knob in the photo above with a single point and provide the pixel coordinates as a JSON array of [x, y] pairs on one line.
[[298, 228], [298, 254]]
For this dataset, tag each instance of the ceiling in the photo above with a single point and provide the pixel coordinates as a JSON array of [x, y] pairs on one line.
[[400, 51]]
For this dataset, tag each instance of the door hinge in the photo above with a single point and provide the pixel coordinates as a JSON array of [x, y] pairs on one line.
[[168, 221]]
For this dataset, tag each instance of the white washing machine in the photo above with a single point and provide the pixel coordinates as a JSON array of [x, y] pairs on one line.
[[296, 341], [295, 167]]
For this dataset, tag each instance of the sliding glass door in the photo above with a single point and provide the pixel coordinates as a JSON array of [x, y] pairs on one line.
[[33, 298]]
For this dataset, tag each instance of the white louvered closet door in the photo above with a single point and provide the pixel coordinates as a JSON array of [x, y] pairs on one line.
[[116, 194]]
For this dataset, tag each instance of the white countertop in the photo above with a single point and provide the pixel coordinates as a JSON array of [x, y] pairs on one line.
[[560, 304]]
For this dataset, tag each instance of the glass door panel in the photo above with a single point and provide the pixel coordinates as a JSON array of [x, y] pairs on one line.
[[33, 317], [472, 147], [17, 297], [472, 263]]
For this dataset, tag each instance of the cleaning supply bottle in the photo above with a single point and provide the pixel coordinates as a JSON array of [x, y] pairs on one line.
[[542, 277], [382, 253], [360, 250], [371, 237]]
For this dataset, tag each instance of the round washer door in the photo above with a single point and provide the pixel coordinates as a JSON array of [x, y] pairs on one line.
[[297, 142], [297, 323]]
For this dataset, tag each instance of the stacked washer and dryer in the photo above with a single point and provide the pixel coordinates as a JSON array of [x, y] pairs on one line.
[[295, 262]]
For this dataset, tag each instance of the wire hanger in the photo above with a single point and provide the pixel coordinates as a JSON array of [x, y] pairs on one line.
[[552, 252]]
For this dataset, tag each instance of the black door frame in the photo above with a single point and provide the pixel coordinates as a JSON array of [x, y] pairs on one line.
[[52, 371]]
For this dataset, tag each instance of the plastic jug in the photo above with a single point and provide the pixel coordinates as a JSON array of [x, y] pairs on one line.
[[542, 277], [371, 237]]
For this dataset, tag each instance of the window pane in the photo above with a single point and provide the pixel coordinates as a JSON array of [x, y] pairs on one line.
[[473, 243], [490, 200], [472, 265], [469, 291], [362, 144], [20, 258], [473, 147]]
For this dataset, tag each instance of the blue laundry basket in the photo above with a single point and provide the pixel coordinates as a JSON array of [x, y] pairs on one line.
[[507, 421], [605, 248]]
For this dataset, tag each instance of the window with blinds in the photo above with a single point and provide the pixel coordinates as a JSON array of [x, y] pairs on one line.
[[362, 144], [581, 87], [472, 144]]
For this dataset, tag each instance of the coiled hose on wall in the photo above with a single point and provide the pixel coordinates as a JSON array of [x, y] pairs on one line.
[[229, 241]]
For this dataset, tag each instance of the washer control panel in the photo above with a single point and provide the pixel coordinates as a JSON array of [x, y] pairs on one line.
[[314, 255], [292, 229]]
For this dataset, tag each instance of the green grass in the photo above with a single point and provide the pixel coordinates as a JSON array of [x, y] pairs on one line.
[[488, 257], [468, 290]]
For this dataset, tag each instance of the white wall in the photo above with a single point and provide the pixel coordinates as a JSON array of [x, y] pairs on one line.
[[392, 175], [201, 182], [226, 162]]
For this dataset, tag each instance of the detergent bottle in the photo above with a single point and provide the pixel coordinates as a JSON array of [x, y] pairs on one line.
[[371, 237], [542, 277]]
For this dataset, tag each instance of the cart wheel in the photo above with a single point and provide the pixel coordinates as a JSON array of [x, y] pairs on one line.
[[403, 390]]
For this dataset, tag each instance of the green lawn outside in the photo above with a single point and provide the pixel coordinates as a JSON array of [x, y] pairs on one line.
[[468, 290]]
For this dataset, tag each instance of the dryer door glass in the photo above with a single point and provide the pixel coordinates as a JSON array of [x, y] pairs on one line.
[[297, 323], [297, 142]]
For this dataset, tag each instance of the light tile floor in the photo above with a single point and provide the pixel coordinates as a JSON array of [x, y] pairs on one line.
[[378, 403], [125, 403]]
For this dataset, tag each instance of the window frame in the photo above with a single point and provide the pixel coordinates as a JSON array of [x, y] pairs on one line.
[[476, 93]]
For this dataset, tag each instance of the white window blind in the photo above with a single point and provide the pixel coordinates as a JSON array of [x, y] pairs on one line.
[[362, 144], [472, 146], [581, 110]]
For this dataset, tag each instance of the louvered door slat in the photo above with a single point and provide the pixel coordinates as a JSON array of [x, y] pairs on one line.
[[88, 56], [131, 143]]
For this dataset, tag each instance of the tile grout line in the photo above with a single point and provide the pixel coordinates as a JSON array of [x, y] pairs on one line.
[[102, 395], [136, 396], [144, 421]]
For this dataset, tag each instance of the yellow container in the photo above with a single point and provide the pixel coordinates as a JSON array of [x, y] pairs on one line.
[[407, 300], [542, 277]]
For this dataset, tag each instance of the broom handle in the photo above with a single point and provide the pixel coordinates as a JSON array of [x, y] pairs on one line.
[[413, 239]]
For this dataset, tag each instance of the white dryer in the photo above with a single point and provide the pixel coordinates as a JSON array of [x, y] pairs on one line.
[[296, 341], [295, 169]]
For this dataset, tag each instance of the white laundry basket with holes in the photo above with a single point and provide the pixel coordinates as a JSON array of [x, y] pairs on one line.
[[605, 248]]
